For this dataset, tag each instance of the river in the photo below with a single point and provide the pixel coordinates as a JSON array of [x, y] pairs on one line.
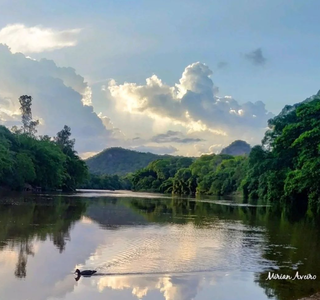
[[145, 246]]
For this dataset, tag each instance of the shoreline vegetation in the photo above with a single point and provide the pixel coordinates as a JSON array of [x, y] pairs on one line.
[[284, 169], [34, 163]]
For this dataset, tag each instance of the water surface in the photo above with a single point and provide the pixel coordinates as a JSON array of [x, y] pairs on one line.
[[144, 246]]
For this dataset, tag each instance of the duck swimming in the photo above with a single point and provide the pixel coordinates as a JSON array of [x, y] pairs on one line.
[[84, 273]]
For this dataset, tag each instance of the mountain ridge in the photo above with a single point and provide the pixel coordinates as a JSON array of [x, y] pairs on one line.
[[236, 148], [120, 161]]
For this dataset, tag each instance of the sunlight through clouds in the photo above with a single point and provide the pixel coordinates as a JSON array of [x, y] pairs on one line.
[[21, 38], [194, 105]]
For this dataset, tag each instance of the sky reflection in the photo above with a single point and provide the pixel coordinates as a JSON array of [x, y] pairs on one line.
[[148, 249], [148, 253]]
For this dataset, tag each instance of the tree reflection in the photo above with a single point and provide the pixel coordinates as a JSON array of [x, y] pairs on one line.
[[26, 249], [24, 220], [292, 239], [293, 243], [200, 213]]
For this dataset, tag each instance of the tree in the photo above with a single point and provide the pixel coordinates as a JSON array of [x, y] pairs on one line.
[[29, 125], [183, 182], [76, 169], [286, 167], [63, 140], [24, 169]]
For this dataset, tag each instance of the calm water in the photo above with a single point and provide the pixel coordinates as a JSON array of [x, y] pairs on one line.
[[146, 247]]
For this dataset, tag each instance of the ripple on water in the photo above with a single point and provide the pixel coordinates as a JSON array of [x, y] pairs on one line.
[[186, 248]]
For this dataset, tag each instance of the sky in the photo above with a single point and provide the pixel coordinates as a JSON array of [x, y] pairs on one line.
[[177, 77]]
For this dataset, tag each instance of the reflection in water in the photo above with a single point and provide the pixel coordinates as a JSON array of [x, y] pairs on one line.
[[24, 220], [172, 287], [25, 250], [152, 248]]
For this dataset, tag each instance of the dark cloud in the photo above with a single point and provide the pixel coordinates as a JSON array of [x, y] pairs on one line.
[[59, 98], [155, 149], [222, 64], [174, 137], [256, 57]]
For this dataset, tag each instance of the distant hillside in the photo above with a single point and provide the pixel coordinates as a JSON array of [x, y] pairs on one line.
[[237, 148], [120, 161]]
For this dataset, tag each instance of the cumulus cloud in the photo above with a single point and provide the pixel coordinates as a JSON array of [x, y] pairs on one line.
[[59, 98], [174, 137], [194, 104], [36, 39], [256, 57], [186, 114]]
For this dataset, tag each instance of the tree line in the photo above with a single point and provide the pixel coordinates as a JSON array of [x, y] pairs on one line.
[[28, 160], [209, 174], [284, 168]]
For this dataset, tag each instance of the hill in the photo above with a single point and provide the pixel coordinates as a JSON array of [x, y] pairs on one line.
[[119, 161], [237, 148]]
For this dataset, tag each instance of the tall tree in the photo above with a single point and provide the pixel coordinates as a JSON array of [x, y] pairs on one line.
[[29, 125], [63, 140], [76, 169]]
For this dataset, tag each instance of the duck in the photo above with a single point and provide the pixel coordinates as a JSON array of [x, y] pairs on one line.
[[84, 273]]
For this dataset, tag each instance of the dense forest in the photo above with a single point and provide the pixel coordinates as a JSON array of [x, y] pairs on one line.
[[284, 168], [159, 174], [28, 161], [210, 174]]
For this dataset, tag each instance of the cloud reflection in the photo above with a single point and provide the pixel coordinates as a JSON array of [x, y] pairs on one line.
[[172, 288], [176, 260]]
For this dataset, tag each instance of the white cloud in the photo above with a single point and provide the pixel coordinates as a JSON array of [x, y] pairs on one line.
[[192, 108], [194, 105], [36, 39]]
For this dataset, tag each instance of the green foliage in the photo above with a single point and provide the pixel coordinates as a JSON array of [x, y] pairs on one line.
[[219, 174], [209, 174], [107, 182], [24, 169], [159, 175], [76, 169], [287, 166], [24, 159], [63, 140], [27, 161], [184, 183]]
